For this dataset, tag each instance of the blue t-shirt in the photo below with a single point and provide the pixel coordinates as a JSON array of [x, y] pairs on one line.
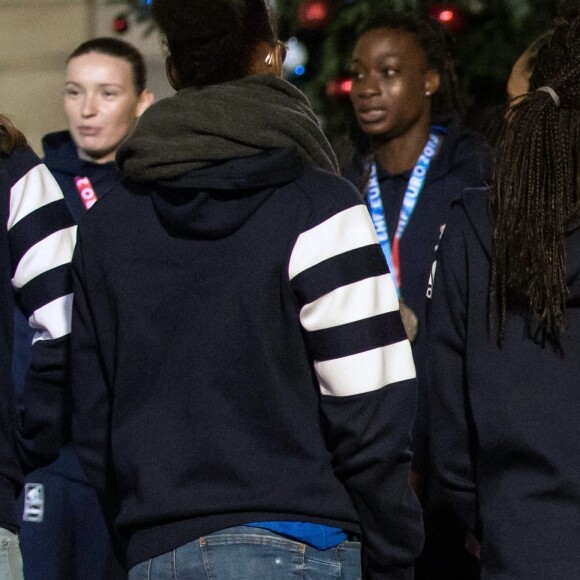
[[318, 536]]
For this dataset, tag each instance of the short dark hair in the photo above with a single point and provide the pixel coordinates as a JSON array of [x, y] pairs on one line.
[[213, 41], [119, 49], [436, 43]]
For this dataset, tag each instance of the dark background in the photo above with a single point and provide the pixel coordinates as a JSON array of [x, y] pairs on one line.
[[488, 36]]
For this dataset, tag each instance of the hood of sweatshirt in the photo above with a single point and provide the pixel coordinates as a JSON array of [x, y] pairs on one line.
[[461, 148], [216, 201], [211, 157], [60, 153], [196, 128]]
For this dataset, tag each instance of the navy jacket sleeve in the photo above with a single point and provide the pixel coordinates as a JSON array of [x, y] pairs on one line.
[[41, 235], [451, 428], [364, 366]]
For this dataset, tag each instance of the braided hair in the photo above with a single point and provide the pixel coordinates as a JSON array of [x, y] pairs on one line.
[[10, 136], [534, 194], [213, 41], [568, 9]]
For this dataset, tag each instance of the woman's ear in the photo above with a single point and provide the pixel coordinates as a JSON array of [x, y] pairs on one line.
[[146, 99], [432, 82], [171, 73]]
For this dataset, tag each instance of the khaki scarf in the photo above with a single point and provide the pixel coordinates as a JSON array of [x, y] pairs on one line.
[[200, 127]]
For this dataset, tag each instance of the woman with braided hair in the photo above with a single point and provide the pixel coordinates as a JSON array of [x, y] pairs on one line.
[[504, 329]]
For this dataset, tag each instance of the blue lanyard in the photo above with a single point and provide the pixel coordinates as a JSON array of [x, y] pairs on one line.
[[412, 193]]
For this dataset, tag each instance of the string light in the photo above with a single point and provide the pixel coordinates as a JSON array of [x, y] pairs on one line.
[[314, 14], [451, 17], [120, 24], [338, 88]]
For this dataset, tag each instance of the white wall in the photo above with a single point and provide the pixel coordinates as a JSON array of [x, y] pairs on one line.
[[36, 36]]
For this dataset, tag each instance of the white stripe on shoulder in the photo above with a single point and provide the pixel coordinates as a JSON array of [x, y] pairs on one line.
[[51, 252], [347, 230], [366, 371], [53, 320], [357, 301], [33, 190]]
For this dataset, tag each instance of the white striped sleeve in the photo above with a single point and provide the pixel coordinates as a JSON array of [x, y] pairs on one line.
[[53, 251], [42, 235], [349, 307], [344, 231], [32, 191], [366, 371], [363, 299], [53, 320]]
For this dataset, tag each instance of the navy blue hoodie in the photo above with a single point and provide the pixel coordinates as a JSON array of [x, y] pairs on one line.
[[221, 374], [238, 351], [505, 427]]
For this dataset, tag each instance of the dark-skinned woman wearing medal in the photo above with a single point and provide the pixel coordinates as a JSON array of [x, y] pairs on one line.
[[411, 159]]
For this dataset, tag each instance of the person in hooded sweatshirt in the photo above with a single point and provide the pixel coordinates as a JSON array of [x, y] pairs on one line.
[[63, 536], [36, 246], [504, 331], [411, 158], [244, 389]]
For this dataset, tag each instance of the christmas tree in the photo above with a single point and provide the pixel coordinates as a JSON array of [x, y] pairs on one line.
[[488, 36]]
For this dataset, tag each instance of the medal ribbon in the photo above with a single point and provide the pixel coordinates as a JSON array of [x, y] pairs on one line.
[[412, 194]]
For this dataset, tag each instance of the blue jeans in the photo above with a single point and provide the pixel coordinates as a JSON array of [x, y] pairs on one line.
[[10, 557], [244, 553]]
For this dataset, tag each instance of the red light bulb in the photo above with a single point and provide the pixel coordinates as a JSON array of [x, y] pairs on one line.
[[314, 14], [120, 25], [446, 16]]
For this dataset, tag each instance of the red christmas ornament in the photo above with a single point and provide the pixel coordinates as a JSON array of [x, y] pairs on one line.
[[120, 24], [314, 14]]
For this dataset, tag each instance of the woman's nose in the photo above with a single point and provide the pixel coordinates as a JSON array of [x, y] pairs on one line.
[[367, 86], [88, 107]]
